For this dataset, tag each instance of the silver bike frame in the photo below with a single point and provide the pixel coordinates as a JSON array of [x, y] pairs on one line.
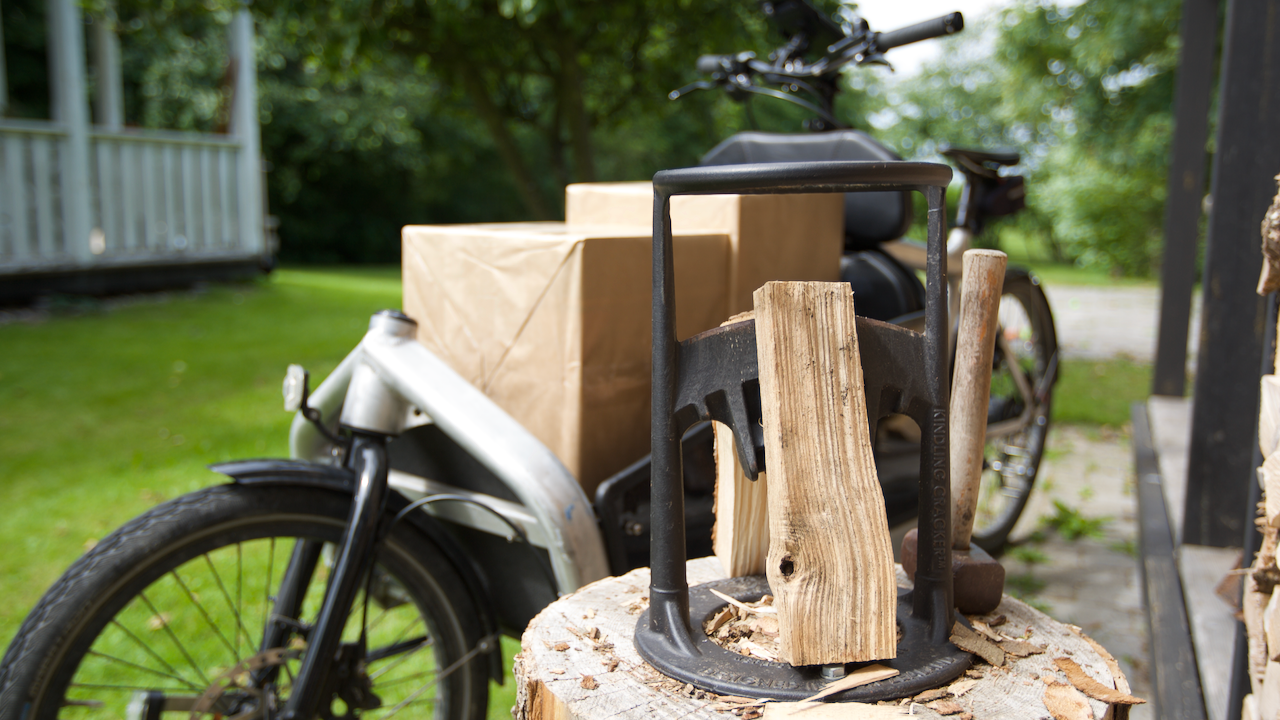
[[392, 380]]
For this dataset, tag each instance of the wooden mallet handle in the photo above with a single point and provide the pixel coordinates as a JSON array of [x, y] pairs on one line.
[[971, 385]]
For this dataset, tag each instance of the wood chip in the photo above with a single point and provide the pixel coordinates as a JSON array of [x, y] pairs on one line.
[[556, 672], [969, 641], [758, 650], [930, 695], [758, 607], [1092, 687], [589, 613], [560, 646], [998, 620], [719, 620], [1066, 703], [985, 631], [959, 688], [945, 707], [611, 664], [589, 683], [1020, 648], [861, 676]]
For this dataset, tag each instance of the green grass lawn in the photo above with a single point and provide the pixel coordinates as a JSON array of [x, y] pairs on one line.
[[108, 411]]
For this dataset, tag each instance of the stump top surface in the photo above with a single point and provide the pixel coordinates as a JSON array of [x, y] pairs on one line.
[[578, 660]]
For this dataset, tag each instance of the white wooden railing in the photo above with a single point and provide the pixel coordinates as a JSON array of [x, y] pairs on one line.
[[154, 197], [77, 197]]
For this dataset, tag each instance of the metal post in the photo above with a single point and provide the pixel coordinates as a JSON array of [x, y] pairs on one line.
[[4, 75], [66, 70], [108, 91], [1226, 387], [244, 125], [1185, 188]]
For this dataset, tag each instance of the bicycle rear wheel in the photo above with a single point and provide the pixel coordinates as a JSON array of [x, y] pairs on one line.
[[170, 610], [1018, 412]]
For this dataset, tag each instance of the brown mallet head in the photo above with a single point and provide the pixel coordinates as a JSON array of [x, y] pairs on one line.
[[977, 579]]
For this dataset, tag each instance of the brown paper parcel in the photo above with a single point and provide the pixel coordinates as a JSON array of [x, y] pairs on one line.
[[771, 237], [554, 324]]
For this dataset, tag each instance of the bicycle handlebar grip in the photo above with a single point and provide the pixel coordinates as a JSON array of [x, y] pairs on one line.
[[937, 27], [708, 64]]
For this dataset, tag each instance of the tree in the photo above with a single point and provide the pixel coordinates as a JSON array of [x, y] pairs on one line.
[[1086, 92]]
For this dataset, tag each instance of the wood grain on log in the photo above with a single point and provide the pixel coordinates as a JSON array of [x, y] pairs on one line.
[[549, 681], [971, 388], [740, 535], [830, 557], [1269, 415]]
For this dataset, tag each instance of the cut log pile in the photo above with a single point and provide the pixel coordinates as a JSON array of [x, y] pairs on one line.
[[1261, 601]]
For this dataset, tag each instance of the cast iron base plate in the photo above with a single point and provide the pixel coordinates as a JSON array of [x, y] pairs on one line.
[[921, 666]]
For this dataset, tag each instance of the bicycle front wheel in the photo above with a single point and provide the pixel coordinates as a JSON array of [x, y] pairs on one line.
[[168, 614], [1018, 411]]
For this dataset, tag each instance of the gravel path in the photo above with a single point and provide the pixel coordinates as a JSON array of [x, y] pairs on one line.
[[1095, 582], [1104, 322]]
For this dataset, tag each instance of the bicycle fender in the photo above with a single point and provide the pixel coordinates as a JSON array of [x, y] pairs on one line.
[[300, 473]]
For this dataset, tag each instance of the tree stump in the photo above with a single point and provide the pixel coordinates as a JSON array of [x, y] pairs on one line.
[[578, 662]]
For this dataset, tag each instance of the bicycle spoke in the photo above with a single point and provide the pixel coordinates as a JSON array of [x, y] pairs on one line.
[[440, 676], [240, 584], [164, 624], [145, 647], [134, 688], [204, 613], [426, 643], [143, 668], [235, 609]]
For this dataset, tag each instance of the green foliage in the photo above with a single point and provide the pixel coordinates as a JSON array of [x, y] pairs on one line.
[[1071, 524], [1099, 392], [1029, 554], [1024, 585], [1085, 92], [26, 60]]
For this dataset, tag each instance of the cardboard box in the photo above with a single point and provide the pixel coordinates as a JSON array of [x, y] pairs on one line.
[[771, 237], [554, 324]]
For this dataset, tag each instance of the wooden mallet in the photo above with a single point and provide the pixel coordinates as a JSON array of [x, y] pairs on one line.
[[978, 578]]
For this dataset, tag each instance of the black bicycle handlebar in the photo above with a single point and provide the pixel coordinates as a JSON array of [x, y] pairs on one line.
[[937, 27], [709, 64]]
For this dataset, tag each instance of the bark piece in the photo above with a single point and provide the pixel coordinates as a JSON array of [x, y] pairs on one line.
[[945, 707], [1066, 703], [1020, 648], [1091, 687], [830, 557], [970, 641], [1269, 280]]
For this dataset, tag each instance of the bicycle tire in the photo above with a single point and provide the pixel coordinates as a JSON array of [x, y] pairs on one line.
[[129, 585], [1011, 462]]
